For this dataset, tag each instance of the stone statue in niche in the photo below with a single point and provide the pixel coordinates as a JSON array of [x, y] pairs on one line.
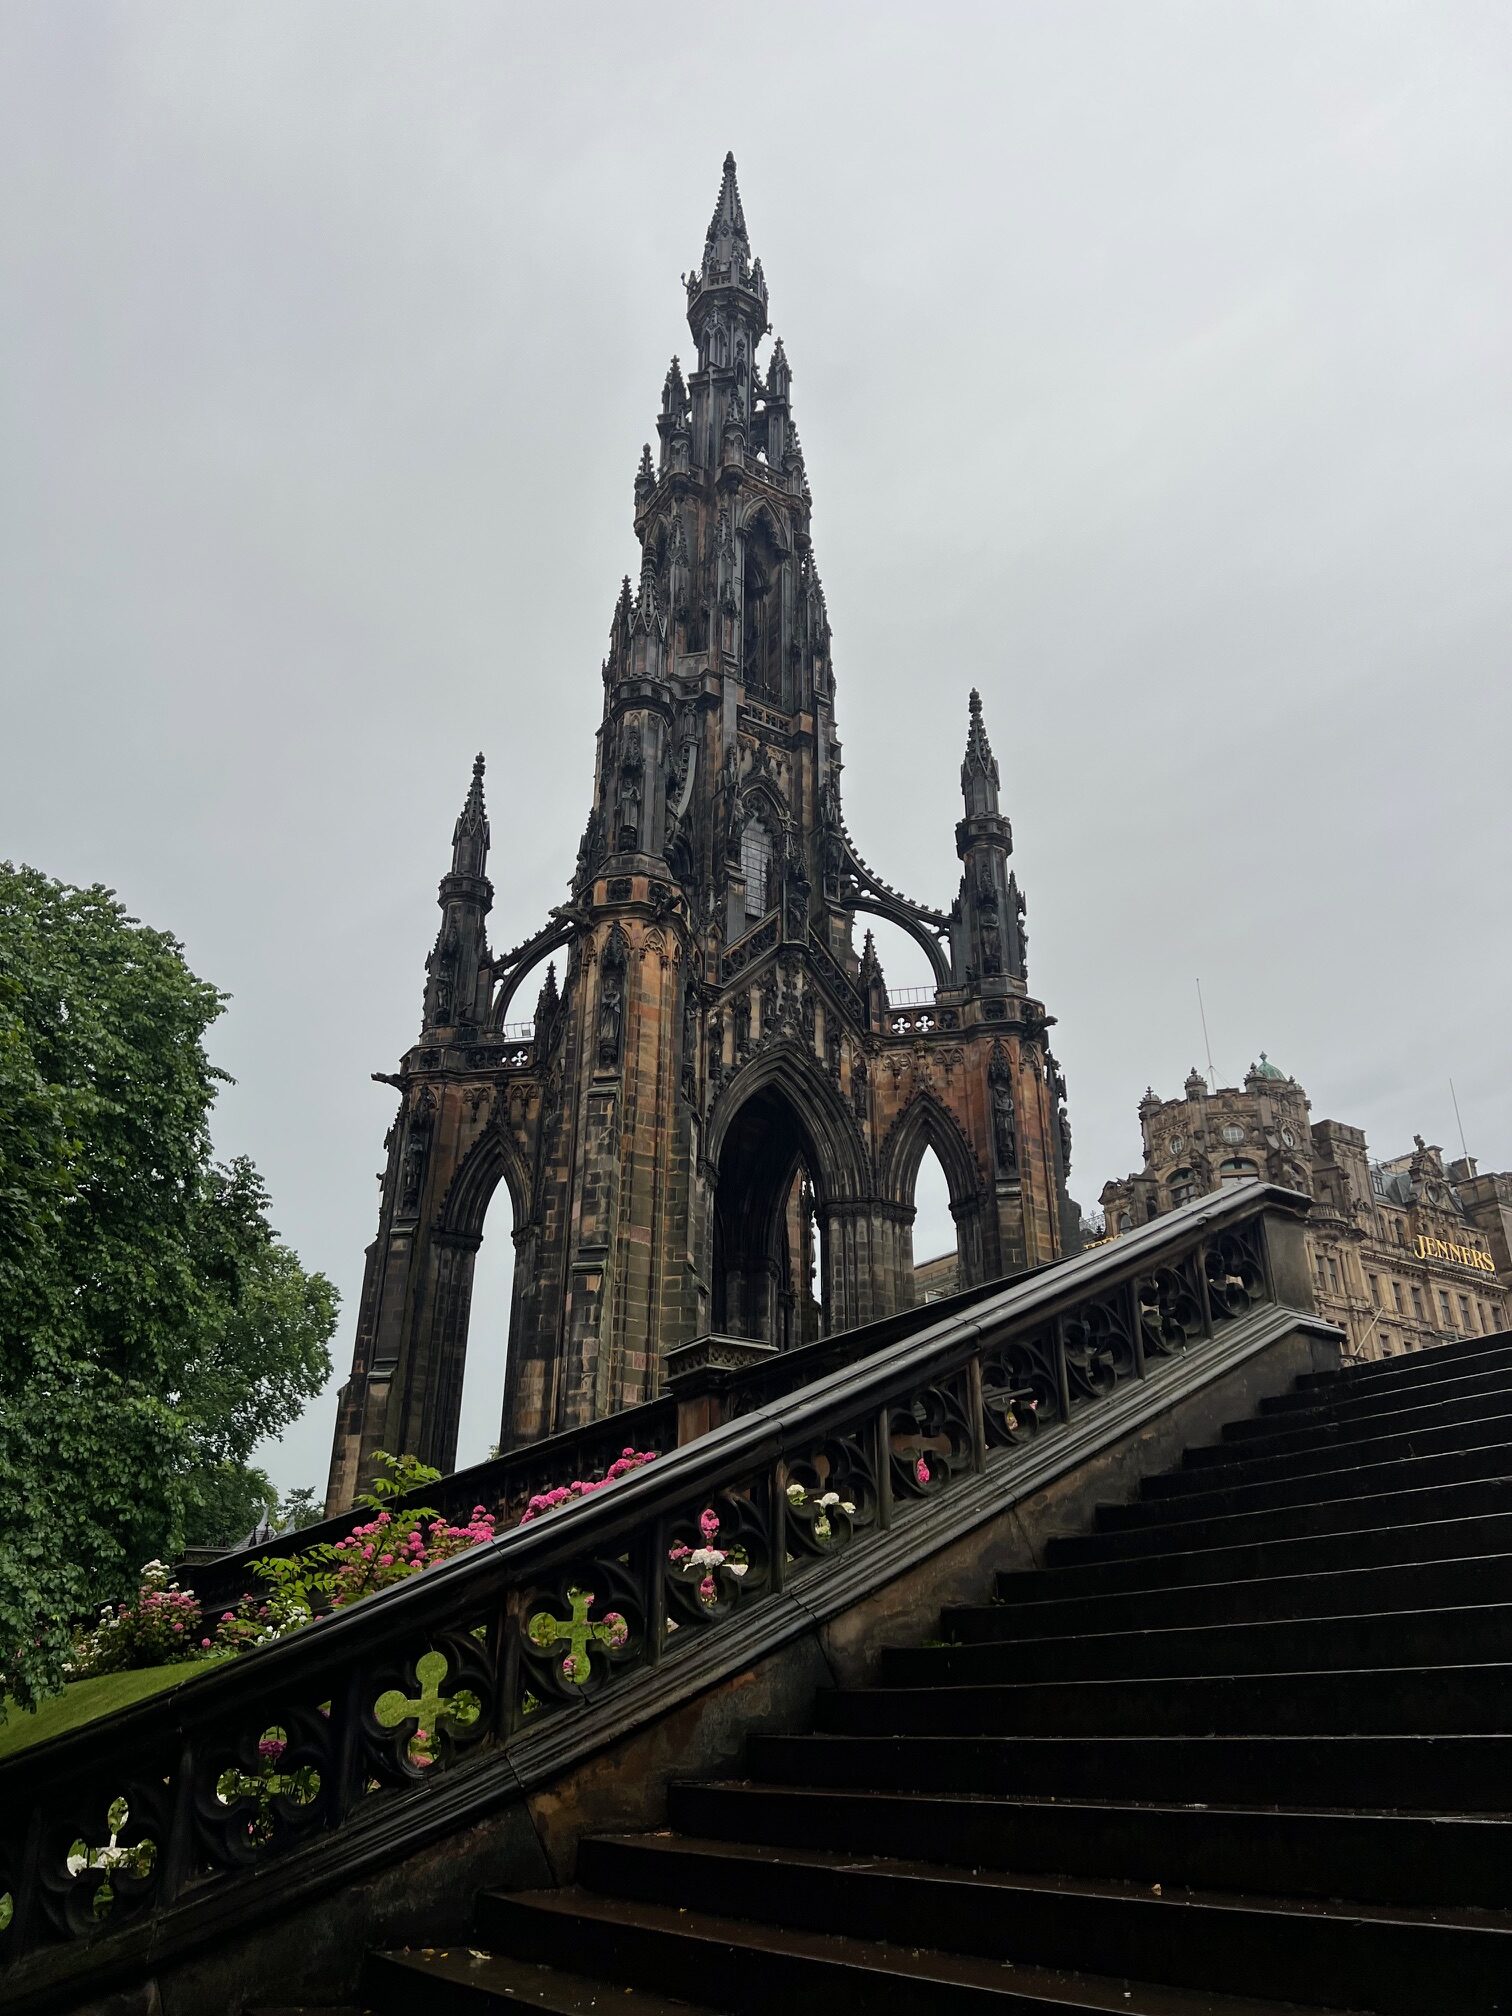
[[768, 996], [808, 1018], [443, 963], [690, 1037], [1064, 1121], [632, 778], [1004, 1123], [858, 1085], [716, 1046], [611, 1012], [416, 1149], [742, 1025], [992, 947], [589, 848]]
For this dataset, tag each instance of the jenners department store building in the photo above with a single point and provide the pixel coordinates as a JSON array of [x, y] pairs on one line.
[[1405, 1252]]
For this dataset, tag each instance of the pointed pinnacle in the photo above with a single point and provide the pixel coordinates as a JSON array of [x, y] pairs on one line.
[[473, 817], [728, 215]]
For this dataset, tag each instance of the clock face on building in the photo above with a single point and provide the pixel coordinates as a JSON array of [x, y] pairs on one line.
[[1288, 1137]]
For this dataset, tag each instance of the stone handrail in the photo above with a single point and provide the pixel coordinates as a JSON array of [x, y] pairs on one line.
[[342, 1746]]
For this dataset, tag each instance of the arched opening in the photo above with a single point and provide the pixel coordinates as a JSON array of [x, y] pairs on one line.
[[906, 967], [769, 1271], [937, 1258], [489, 1315], [756, 856], [761, 625]]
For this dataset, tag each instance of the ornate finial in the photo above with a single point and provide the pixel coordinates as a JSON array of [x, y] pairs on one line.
[[979, 770], [674, 393], [472, 825], [645, 475]]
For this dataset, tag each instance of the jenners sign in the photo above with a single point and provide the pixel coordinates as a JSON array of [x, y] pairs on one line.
[[1458, 1256]]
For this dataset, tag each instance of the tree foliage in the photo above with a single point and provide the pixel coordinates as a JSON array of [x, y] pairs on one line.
[[153, 1329]]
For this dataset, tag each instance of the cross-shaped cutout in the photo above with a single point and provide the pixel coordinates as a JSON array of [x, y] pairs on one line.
[[269, 1778], [135, 1860], [577, 1634], [432, 1708]]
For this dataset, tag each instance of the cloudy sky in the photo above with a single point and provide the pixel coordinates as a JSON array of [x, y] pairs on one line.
[[1151, 362]]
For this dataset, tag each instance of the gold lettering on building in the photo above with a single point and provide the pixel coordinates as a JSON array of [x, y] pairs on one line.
[[1456, 1255]]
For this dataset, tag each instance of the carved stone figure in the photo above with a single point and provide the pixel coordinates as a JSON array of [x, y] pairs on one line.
[[611, 1010], [632, 777], [416, 1149], [690, 1037]]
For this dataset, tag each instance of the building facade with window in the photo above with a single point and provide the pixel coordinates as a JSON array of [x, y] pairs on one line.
[[1405, 1252]]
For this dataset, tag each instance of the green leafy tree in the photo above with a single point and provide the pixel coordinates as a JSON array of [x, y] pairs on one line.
[[302, 1507], [153, 1329]]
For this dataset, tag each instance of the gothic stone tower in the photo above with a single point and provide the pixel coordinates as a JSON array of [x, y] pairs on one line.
[[717, 1121]]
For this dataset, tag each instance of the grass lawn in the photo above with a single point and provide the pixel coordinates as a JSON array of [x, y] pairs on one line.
[[86, 1700]]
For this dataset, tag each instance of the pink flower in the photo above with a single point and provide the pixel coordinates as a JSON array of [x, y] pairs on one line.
[[367, 1552], [708, 1523], [921, 1471], [385, 1560], [706, 1589], [204, 1644]]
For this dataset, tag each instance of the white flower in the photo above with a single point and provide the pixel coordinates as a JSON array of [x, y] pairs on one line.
[[830, 1498], [796, 1494], [738, 1567], [706, 1557]]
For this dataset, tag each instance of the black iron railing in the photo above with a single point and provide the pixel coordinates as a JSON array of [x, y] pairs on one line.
[[120, 1836]]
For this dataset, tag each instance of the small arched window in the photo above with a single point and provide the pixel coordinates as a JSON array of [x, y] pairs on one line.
[[1236, 1170], [756, 866], [1183, 1185]]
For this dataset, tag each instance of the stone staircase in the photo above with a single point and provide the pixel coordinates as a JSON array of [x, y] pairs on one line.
[[1246, 1747]]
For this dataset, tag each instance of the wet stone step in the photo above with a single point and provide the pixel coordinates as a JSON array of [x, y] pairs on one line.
[[1484, 1498], [1367, 1857], [1426, 1774], [1368, 1480], [755, 1970], [1413, 1585], [1400, 1961], [1428, 1540], [1342, 1431], [415, 1981], [1470, 1635], [1395, 1701], [1441, 1440]]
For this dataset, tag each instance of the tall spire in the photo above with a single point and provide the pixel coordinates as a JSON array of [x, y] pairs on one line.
[[456, 988], [726, 240], [979, 770], [470, 834], [725, 276]]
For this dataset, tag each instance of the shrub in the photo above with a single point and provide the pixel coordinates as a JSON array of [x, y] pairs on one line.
[[160, 1626]]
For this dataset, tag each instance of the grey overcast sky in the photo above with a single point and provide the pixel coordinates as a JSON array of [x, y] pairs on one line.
[[1152, 366]]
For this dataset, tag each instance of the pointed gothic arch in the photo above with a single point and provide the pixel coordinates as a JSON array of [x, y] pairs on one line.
[[494, 1158], [840, 1150], [926, 1123]]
